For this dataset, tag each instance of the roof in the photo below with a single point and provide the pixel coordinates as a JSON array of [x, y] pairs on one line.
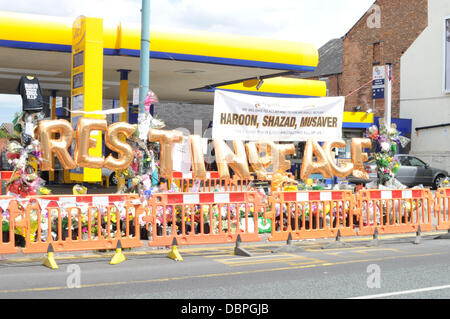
[[180, 60], [330, 60], [276, 87], [8, 128]]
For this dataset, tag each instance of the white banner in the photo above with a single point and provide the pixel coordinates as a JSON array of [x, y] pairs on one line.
[[253, 118]]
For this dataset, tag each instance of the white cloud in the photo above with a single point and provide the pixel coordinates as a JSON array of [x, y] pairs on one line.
[[297, 20]]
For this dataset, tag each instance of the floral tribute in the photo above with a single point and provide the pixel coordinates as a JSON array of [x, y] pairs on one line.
[[24, 157], [388, 140]]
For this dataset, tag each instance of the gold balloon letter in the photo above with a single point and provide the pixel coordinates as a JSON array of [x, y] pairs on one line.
[[279, 153], [59, 146], [116, 144], [309, 166], [198, 160], [275, 155], [237, 161], [258, 163], [338, 171], [359, 158], [84, 142], [166, 140]]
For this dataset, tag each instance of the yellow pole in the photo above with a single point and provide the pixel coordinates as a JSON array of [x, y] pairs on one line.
[[51, 176], [124, 94], [124, 104]]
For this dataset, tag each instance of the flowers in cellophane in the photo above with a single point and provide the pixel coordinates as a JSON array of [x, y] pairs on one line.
[[388, 140], [25, 157]]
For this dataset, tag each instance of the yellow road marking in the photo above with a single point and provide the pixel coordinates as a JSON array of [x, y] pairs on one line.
[[121, 283], [365, 251], [268, 259]]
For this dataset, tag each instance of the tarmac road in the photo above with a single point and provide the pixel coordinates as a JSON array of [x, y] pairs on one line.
[[396, 268]]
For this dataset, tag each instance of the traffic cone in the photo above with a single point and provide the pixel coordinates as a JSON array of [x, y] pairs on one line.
[[174, 253], [374, 241], [50, 261], [118, 257], [418, 236], [238, 250]]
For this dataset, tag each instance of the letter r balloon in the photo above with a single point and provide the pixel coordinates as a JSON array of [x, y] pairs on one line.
[[58, 146]]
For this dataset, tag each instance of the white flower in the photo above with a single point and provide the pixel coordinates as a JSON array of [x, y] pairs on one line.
[[21, 163], [385, 147]]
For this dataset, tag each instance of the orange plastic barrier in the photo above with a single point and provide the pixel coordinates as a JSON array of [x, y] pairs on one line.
[[203, 218], [5, 176], [96, 222], [394, 211], [73, 223], [212, 182], [311, 214], [9, 219], [441, 208]]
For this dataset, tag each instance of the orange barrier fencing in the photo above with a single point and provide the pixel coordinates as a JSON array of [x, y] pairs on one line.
[[10, 218], [73, 223], [394, 211], [5, 176], [186, 183], [442, 206], [203, 218], [311, 214], [98, 222]]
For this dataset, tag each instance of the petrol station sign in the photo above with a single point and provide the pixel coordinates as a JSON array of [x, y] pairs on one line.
[[86, 85]]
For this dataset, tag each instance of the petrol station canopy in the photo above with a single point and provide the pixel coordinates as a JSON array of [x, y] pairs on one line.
[[185, 66]]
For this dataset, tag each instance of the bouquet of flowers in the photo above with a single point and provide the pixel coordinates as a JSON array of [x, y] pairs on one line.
[[388, 140], [24, 157]]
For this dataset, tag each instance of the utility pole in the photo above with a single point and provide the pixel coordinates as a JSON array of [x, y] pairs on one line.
[[388, 96], [145, 56]]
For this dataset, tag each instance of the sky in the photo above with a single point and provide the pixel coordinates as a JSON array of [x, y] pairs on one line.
[[307, 21]]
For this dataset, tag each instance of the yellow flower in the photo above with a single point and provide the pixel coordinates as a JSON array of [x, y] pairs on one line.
[[45, 191], [112, 218]]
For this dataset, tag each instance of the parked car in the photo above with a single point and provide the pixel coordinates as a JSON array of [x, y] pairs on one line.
[[413, 171], [113, 180]]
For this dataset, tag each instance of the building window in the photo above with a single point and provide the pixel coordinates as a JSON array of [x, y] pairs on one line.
[[376, 53]]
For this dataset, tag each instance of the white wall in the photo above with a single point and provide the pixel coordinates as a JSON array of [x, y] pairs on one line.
[[421, 93]]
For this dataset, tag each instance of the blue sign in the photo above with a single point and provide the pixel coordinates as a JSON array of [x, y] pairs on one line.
[[378, 89], [133, 112], [378, 93]]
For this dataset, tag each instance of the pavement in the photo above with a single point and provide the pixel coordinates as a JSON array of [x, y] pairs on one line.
[[262, 246]]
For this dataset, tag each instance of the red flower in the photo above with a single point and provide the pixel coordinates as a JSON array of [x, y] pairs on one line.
[[15, 187], [12, 155]]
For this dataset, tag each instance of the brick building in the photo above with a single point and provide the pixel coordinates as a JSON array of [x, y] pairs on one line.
[[379, 37]]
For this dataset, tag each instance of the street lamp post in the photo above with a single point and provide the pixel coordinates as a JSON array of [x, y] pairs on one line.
[[145, 55], [388, 96]]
